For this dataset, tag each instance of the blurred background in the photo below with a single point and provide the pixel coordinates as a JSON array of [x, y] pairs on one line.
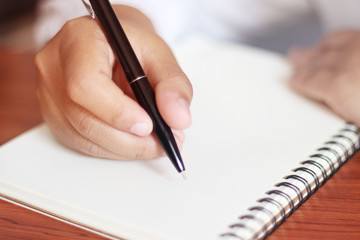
[[17, 19], [18, 105], [16, 22]]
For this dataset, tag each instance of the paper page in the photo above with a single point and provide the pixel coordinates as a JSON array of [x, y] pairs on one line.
[[248, 130]]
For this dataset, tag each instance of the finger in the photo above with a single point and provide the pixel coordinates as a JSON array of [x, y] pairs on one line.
[[125, 145], [299, 57], [85, 132], [65, 132], [173, 105], [311, 80], [314, 85], [88, 74]]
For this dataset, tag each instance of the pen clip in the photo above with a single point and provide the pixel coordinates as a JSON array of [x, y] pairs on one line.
[[89, 8]]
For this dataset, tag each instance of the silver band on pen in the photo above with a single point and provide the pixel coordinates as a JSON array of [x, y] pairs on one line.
[[137, 79]]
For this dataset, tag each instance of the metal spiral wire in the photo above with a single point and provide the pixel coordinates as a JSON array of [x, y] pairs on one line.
[[326, 160]]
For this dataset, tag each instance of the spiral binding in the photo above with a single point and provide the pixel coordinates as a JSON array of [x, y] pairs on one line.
[[296, 188]]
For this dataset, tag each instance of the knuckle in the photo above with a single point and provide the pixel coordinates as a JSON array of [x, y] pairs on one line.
[[83, 24], [142, 152], [70, 25], [132, 149], [296, 82], [88, 147], [93, 149], [75, 86], [90, 128]]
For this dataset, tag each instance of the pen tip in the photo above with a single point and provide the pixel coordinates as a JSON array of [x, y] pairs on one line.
[[184, 175]]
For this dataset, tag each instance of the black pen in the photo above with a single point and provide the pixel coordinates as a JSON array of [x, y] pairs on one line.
[[135, 76]]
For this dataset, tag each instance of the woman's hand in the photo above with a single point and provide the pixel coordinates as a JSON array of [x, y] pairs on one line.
[[330, 73], [86, 100]]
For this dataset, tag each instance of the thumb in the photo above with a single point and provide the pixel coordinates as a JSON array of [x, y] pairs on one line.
[[173, 89]]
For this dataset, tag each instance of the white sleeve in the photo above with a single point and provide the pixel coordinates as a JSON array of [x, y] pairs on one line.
[[168, 16]]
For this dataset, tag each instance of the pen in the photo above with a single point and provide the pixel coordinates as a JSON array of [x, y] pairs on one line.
[[135, 76]]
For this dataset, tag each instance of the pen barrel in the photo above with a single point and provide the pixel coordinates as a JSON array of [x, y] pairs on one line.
[[117, 39], [136, 77], [146, 98]]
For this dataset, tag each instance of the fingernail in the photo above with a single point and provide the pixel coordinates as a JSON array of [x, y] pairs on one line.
[[140, 129]]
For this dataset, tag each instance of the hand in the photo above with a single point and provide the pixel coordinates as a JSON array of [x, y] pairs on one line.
[[330, 73], [86, 100]]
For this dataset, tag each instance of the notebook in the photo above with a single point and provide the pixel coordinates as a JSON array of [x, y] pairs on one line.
[[255, 151]]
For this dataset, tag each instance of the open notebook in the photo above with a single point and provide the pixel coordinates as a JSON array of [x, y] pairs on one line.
[[249, 131]]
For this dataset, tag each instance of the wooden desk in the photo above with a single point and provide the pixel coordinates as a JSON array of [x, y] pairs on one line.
[[333, 212]]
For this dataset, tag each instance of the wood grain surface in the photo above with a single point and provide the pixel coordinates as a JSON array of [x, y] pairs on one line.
[[18, 106], [333, 212], [19, 112]]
